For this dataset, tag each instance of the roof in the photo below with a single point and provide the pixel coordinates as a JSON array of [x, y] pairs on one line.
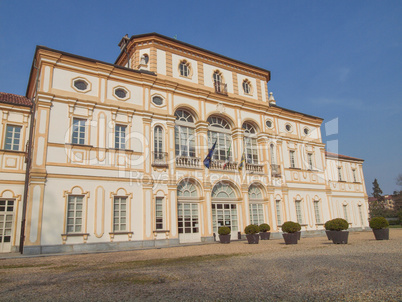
[[335, 155], [192, 46], [14, 99], [289, 110]]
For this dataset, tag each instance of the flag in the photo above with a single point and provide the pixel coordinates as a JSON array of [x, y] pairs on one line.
[[242, 161], [227, 157], [208, 159]]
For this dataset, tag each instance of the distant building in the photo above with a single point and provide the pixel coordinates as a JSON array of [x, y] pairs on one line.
[[389, 201], [118, 151]]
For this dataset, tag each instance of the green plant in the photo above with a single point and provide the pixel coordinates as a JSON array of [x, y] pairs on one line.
[[264, 227], [252, 229], [224, 230], [337, 224], [378, 223], [291, 227], [327, 224]]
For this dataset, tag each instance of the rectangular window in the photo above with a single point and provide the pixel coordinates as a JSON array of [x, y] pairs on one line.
[[159, 213], [13, 135], [354, 175], [256, 213], [299, 214], [292, 159], [119, 214], [184, 141], [340, 173], [120, 137], [345, 212], [74, 214], [251, 151], [310, 161], [78, 136], [278, 212], [317, 211], [6, 221]]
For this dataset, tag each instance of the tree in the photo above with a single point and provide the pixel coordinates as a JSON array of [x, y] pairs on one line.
[[398, 195], [377, 206]]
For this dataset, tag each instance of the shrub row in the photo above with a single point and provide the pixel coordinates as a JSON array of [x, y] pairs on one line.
[[250, 229]]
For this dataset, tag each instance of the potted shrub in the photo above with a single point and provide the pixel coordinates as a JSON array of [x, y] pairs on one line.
[[290, 230], [327, 230], [224, 234], [264, 231], [380, 228], [337, 228], [252, 233]]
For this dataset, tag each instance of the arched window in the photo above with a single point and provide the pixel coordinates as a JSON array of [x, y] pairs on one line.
[[184, 68], [256, 208], [186, 189], [184, 134], [254, 192], [159, 155], [219, 132], [247, 87], [222, 190], [250, 142], [144, 59]]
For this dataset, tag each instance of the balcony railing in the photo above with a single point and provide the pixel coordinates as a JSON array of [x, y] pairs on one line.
[[159, 159], [254, 168], [188, 162], [221, 88], [223, 165], [275, 170]]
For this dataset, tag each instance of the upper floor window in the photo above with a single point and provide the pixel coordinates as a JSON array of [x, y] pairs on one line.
[[220, 86], [120, 93], [247, 87], [272, 151], [310, 161], [120, 137], [157, 100], [78, 136], [250, 142], [158, 139], [289, 127], [340, 174], [184, 68], [184, 134], [144, 59], [354, 175], [219, 132], [292, 159], [80, 84], [13, 137]]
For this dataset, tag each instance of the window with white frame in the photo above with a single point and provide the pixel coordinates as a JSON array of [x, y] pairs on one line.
[[120, 214], [310, 161], [78, 135], [13, 137], [299, 214], [340, 174], [354, 175], [250, 142], [184, 68], [159, 221], [273, 157], [247, 87], [256, 209], [345, 212], [184, 134], [74, 214], [120, 137], [219, 132], [317, 211], [158, 144], [292, 159], [278, 212]]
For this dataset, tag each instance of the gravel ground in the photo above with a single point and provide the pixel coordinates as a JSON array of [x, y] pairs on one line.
[[313, 270]]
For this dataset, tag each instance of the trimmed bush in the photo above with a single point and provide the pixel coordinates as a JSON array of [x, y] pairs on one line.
[[326, 225], [224, 230], [378, 223], [337, 224], [291, 227], [252, 229], [264, 227]]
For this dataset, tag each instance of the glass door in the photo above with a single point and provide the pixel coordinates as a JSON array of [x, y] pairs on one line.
[[6, 225], [225, 214], [188, 222]]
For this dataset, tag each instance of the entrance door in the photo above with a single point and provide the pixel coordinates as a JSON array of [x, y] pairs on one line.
[[188, 222], [6, 225], [225, 214]]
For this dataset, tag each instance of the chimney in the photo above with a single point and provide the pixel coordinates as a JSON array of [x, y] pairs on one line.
[[123, 42]]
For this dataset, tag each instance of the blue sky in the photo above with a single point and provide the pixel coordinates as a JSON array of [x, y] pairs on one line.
[[333, 59]]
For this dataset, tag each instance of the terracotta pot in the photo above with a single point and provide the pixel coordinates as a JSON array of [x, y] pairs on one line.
[[290, 238], [253, 238], [265, 235], [381, 234], [339, 237], [224, 238]]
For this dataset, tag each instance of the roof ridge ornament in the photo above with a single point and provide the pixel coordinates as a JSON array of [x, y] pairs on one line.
[[271, 99]]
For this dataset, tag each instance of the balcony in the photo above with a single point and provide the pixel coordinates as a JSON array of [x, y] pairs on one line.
[[187, 162], [254, 168], [159, 159], [220, 165], [221, 88], [275, 170]]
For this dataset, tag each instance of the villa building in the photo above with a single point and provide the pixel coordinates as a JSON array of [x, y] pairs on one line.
[[118, 149]]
